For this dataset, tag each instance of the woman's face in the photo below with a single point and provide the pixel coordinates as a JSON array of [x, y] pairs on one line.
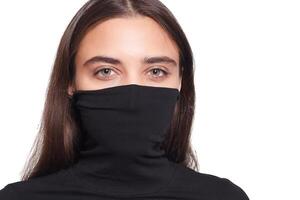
[[123, 51]]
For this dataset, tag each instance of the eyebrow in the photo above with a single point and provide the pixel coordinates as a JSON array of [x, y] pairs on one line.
[[146, 60]]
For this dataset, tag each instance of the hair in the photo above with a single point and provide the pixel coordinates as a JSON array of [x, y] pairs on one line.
[[56, 145]]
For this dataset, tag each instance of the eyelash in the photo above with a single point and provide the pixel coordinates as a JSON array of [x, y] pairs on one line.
[[165, 73]]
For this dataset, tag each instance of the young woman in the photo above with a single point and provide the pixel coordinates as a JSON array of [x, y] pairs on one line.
[[119, 111]]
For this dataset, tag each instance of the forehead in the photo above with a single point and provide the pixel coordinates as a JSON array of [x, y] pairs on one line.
[[131, 37]]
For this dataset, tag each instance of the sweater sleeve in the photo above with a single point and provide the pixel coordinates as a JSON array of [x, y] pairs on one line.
[[230, 191], [8, 193]]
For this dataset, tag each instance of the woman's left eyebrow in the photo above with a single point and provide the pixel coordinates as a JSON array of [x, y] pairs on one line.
[[146, 60], [160, 59]]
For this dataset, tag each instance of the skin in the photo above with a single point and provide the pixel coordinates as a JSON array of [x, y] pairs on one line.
[[129, 40]]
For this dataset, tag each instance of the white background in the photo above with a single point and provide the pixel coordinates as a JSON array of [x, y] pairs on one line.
[[247, 74]]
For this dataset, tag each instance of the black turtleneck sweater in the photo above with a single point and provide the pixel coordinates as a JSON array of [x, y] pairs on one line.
[[183, 184], [120, 157]]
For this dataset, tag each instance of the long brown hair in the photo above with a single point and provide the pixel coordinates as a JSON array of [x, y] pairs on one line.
[[57, 142]]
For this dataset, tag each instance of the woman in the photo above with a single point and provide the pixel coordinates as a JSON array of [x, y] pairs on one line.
[[118, 112]]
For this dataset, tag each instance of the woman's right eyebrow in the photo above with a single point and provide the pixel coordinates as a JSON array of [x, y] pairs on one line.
[[146, 60], [106, 59]]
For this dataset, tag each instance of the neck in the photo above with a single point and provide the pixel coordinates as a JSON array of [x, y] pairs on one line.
[[116, 173], [122, 129]]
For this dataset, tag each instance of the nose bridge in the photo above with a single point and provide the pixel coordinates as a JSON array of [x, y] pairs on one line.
[[133, 95], [132, 77]]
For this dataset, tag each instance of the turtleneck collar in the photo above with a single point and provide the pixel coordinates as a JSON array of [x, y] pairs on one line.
[[122, 128]]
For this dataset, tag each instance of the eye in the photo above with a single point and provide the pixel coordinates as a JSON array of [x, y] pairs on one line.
[[104, 72], [159, 73]]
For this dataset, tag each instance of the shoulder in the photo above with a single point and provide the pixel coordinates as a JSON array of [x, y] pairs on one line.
[[34, 188], [204, 185], [226, 189], [8, 192], [17, 190]]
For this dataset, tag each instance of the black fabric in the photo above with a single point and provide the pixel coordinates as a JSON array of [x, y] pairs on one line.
[[122, 129]]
